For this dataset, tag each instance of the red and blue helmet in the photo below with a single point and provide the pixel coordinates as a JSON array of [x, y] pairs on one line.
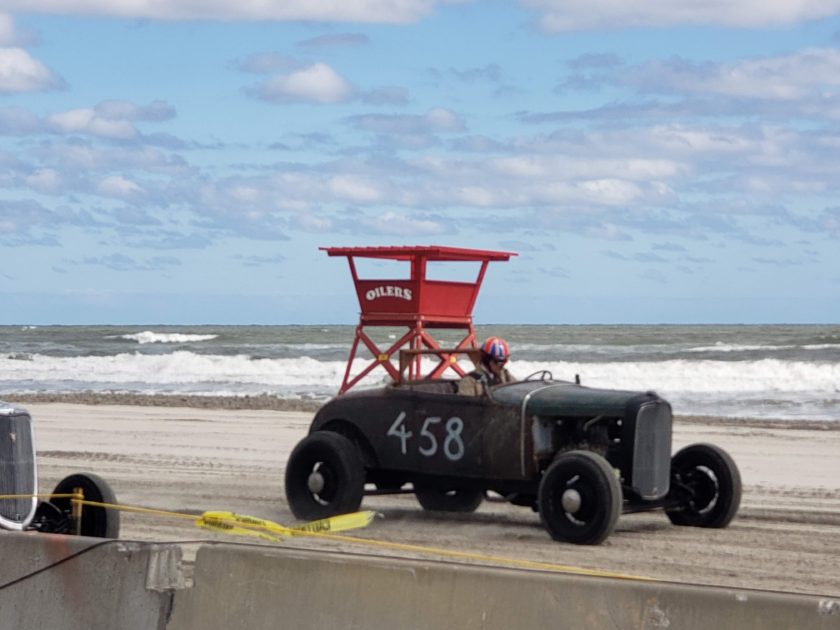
[[496, 348]]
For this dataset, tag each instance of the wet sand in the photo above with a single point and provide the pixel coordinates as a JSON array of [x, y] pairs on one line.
[[191, 454]]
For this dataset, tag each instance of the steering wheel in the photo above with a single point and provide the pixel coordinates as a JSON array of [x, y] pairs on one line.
[[540, 375]]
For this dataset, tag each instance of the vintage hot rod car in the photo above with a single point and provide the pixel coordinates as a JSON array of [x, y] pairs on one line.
[[21, 510], [577, 455]]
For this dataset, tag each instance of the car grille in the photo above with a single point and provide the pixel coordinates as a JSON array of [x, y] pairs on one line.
[[652, 450], [17, 469]]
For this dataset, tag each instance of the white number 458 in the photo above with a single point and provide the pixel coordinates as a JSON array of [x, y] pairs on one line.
[[453, 444]]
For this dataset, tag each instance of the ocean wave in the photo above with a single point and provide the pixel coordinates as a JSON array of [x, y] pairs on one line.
[[763, 375], [183, 366], [179, 367], [756, 388], [734, 347], [148, 336]]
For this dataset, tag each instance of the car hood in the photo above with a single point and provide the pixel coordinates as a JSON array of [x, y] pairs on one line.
[[547, 398]]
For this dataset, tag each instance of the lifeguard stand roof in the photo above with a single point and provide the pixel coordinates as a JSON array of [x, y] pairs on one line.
[[429, 252]]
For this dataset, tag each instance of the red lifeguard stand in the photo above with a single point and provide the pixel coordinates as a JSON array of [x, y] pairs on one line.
[[416, 302]]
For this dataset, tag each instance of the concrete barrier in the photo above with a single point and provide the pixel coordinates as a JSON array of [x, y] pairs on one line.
[[268, 588], [58, 582], [54, 582]]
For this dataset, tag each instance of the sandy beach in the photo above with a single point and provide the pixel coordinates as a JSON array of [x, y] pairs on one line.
[[229, 454]]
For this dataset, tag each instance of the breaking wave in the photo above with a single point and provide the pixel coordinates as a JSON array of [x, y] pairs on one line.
[[766, 387], [147, 336]]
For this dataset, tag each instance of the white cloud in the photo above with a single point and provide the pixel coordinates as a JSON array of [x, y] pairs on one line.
[[597, 192], [156, 111], [594, 176], [568, 15], [607, 232], [476, 196], [804, 84], [18, 121], [20, 72], [354, 189], [527, 166], [386, 95], [45, 180], [436, 120], [682, 140], [118, 186], [563, 165], [313, 223], [440, 119], [317, 83], [86, 120], [396, 224], [109, 119], [373, 11], [810, 72], [245, 194], [75, 158], [611, 191], [8, 37]]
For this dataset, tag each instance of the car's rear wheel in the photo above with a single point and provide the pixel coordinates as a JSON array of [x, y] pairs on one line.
[[707, 485], [97, 521], [436, 499], [579, 498], [324, 476]]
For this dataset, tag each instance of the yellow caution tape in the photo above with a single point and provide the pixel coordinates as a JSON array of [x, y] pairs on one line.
[[240, 525], [244, 525], [340, 523]]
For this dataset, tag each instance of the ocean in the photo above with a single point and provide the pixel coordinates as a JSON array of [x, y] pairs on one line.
[[768, 371]]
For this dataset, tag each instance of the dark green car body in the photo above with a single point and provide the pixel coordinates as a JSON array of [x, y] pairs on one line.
[[505, 440], [579, 456]]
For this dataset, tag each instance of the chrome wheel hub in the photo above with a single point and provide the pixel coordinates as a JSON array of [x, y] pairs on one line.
[[571, 500], [315, 483]]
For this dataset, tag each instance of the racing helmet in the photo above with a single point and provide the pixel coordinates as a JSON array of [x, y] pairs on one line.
[[496, 348]]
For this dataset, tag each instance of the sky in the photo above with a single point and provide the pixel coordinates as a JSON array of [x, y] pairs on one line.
[[649, 162]]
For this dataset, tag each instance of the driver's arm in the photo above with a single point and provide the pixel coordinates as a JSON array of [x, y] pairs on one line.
[[469, 385]]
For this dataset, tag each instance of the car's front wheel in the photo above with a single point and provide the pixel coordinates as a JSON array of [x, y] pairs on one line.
[[579, 498], [436, 499], [97, 521], [707, 486], [324, 476]]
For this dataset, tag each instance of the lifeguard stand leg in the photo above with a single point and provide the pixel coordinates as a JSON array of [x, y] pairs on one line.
[[379, 357], [446, 358]]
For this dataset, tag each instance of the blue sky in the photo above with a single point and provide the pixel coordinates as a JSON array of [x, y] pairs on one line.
[[650, 162]]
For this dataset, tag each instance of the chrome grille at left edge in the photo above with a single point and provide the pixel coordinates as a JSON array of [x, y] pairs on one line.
[[17, 467]]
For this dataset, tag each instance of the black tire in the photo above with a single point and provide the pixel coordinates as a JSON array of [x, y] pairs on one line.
[[97, 522], [592, 495], [435, 499], [324, 477], [707, 484]]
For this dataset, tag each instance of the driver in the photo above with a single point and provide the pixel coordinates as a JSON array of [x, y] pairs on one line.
[[490, 370]]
